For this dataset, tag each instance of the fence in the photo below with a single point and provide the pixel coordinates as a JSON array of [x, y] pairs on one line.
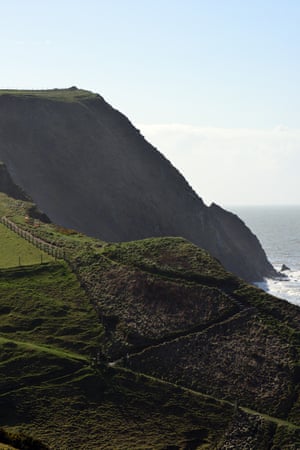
[[51, 249]]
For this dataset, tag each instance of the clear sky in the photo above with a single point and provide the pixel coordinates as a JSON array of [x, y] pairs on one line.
[[214, 84]]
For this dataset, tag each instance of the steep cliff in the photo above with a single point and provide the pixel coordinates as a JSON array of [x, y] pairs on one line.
[[89, 169], [8, 186]]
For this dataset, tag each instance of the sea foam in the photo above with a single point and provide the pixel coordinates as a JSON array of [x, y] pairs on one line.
[[287, 288], [278, 229]]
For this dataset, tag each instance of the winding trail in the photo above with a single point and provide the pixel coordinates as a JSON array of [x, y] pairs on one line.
[[183, 389]]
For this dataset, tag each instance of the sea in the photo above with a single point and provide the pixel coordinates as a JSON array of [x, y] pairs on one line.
[[278, 230]]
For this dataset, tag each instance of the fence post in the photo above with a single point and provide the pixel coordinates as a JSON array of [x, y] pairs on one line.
[[50, 249]]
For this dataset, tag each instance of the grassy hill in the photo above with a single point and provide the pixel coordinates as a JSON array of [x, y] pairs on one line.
[[16, 251], [67, 95], [146, 344]]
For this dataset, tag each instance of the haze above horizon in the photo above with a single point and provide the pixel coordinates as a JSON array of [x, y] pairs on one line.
[[213, 84]]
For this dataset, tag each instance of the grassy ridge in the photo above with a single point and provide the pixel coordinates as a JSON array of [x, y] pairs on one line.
[[172, 257], [66, 95]]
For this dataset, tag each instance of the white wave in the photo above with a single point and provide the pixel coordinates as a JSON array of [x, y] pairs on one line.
[[286, 288]]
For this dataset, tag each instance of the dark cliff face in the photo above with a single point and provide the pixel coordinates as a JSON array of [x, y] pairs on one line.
[[88, 168], [9, 187], [236, 246]]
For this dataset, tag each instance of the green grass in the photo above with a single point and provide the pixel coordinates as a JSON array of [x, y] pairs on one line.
[[71, 407], [49, 328], [17, 251], [165, 255], [38, 365], [11, 207], [30, 347], [132, 415], [66, 95], [74, 243], [45, 305]]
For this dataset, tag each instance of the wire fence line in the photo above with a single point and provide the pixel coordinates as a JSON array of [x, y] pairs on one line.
[[50, 249]]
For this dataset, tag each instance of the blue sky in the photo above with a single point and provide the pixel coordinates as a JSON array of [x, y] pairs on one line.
[[213, 64]]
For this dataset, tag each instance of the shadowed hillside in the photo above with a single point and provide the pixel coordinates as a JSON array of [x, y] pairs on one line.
[[89, 169]]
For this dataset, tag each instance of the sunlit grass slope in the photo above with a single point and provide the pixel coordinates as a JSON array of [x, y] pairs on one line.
[[45, 305], [15, 251]]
